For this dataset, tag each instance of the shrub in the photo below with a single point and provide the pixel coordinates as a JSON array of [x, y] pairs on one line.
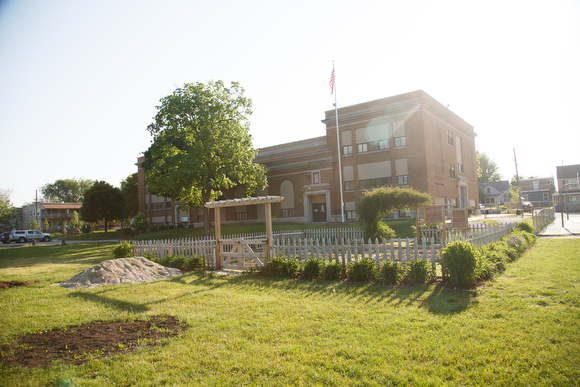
[[485, 266], [517, 242], [459, 260], [179, 261], [525, 226], [153, 228], [86, 229], [362, 270], [126, 231], [281, 267], [419, 271], [333, 271], [497, 254], [391, 272], [163, 227], [123, 250], [312, 268]]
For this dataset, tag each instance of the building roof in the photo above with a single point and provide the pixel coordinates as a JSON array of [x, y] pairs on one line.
[[567, 171], [500, 186], [61, 206]]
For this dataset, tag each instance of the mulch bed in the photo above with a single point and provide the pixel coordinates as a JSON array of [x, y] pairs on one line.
[[12, 284], [80, 344]]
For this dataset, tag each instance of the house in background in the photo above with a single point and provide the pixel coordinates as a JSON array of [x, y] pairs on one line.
[[539, 191], [403, 140], [57, 214], [568, 187], [496, 193]]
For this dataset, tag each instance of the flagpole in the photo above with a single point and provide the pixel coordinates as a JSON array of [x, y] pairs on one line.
[[333, 81]]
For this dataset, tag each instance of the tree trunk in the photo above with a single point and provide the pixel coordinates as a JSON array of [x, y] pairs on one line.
[[105, 225], [206, 217]]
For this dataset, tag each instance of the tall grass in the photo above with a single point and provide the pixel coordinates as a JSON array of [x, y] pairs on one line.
[[521, 329]]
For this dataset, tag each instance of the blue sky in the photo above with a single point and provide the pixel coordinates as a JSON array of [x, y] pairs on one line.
[[79, 80]]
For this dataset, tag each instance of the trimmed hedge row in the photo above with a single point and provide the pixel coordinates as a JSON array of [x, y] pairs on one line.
[[466, 265]]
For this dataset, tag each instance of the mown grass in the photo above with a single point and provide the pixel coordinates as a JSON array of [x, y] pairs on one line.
[[521, 329]]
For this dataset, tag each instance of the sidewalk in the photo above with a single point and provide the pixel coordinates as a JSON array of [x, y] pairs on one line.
[[571, 226]]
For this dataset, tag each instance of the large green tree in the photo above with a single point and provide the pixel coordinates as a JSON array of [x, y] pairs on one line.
[[376, 204], [202, 146], [66, 190], [129, 189], [102, 202], [7, 209], [487, 169]]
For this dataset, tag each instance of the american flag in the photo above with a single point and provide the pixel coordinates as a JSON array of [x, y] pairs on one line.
[[331, 84]]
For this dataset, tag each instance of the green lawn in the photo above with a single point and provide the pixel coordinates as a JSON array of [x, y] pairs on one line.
[[521, 329]]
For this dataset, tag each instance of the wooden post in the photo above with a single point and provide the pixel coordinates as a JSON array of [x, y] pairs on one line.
[[218, 232], [269, 236]]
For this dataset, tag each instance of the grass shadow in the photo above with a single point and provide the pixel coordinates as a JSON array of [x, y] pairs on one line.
[[99, 298]]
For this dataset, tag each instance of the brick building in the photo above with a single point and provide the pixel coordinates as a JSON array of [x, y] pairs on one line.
[[404, 140]]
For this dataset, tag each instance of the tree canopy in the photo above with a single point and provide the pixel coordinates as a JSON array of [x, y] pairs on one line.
[[7, 209], [487, 169], [202, 146], [102, 202], [129, 189], [66, 190], [376, 204]]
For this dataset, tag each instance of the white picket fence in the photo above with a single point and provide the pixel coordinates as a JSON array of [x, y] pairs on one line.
[[481, 236], [543, 218]]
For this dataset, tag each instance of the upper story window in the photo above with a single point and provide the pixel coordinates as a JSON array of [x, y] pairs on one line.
[[402, 180], [316, 177], [449, 138], [373, 146], [347, 150], [400, 142], [452, 171]]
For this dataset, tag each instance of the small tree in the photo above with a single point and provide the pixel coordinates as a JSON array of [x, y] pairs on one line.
[[33, 225], [75, 222], [46, 225], [376, 204]]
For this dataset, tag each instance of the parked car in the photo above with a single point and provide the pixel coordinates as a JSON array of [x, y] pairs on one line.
[[22, 236], [527, 206], [5, 236]]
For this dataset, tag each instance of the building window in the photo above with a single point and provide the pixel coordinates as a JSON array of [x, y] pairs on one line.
[[351, 215], [315, 177], [449, 138], [536, 184], [168, 205], [157, 206], [349, 185], [546, 196], [400, 142], [241, 216], [402, 180], [374, 183], [288, 212], [452, 171], [362, 148], [347, 150], [460, 168]]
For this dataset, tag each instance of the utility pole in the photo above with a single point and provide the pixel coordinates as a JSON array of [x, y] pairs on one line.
[[518, 183]]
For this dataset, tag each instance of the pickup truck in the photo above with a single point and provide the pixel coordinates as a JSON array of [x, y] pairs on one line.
[[22, 236]]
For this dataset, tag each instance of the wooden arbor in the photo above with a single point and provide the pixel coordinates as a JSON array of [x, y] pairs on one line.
[[216, 205]]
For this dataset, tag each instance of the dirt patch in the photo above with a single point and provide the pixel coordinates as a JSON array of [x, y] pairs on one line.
[[13, 284], [80, 344]]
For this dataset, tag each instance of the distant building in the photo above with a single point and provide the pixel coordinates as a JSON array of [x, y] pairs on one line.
[[404, 140], [496, 193], [57, 214], [539, 191], [568, 187]]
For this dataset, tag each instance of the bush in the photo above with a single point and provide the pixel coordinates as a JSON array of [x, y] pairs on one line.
[[86, 228], [162, 227], [486, 266], [362, 270], [123, 250], [312, 268], [419, 271], [179, 261], [126, 231], [391, 272], [333, 271], [281, 267], [459, 258], [153, 228], [525, 226]]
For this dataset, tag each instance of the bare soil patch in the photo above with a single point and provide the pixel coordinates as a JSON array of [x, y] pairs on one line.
[[80, 344], [12, 284]]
